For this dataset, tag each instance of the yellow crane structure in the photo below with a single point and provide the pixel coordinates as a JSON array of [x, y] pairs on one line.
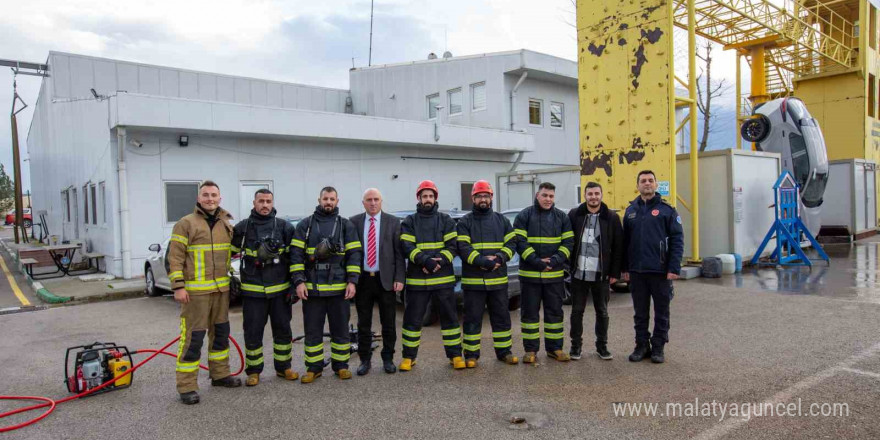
[[824, 52]]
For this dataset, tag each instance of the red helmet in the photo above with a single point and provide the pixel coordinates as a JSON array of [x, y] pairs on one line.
[[427, 184], [482, 186]]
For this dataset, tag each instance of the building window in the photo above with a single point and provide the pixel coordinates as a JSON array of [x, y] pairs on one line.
[[466, 202], [433, 102], [478, 96], [454, 96], [180, 198], [872, 27], [557, 114], [872, 92], [85, 204], [102, 190], [535, 112], [94, 193], [65, 198]]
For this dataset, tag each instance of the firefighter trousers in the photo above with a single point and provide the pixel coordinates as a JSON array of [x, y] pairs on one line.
[[416, 304], [475, 302], [337, 311], [532, 295], [255, 312], [203, 314]]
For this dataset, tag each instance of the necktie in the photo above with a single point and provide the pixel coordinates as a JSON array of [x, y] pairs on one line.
[[371, 244]]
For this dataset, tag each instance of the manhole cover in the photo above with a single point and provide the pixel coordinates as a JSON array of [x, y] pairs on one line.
[[527, 420]]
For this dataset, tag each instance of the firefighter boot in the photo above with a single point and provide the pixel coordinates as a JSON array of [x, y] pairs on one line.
[[559, 355], [287, 374], [344, 374], [407, 364], [471, 363], [253, 380], [310, 376], [529, 357], [190, 398], [226, 382], [457, 363], [510, 359]]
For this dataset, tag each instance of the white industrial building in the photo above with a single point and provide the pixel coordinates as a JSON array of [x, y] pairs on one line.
[[117, 148]]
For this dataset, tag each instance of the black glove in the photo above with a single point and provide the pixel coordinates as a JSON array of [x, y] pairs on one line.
[[290, 298], [556, 260], [541, 264], [431, 264], [488, 264]]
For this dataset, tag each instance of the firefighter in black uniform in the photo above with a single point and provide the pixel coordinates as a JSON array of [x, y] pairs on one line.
[[326, 258], [544, 244], [428, 241], [263, 240], [653, 246], [486, 242]]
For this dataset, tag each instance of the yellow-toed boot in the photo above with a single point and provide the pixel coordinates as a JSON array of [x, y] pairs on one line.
[[253, 380], [471, 363], [529, 357], [457, 363], [559, 355], [310, 377], [287, 374], [407, 364], [344, 374], [510, 359]]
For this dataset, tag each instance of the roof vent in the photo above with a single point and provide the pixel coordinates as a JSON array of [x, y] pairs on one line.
[[447, 54], [432, 56]]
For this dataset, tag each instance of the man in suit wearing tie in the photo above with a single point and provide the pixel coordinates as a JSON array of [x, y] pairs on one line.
[[382, 275]]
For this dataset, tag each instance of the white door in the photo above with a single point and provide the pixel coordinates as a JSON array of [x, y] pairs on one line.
[[75, 210], [246, 196]]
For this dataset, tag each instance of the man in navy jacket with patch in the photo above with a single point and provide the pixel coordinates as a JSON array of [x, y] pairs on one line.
[[653, 246]]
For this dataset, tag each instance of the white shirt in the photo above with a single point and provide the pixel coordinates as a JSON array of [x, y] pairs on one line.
[[378, 217]]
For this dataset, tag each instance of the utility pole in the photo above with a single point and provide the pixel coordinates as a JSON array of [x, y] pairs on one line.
[[370, 59], [35, 69]]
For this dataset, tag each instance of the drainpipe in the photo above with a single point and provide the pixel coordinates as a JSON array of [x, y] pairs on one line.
[[513, 95], [512, 113], [124, 224]]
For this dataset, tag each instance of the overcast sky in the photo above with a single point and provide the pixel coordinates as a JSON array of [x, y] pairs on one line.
[[294, 40]]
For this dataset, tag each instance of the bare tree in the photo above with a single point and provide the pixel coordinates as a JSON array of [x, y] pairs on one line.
[[708, 89]]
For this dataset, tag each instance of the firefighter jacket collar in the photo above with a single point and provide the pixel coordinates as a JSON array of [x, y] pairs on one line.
[[219, 213], [481, 212], [427, 212], [541, 209], [319, 211], [652, 201]]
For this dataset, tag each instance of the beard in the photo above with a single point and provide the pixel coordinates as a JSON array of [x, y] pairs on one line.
[[483, 205], [328, 208]]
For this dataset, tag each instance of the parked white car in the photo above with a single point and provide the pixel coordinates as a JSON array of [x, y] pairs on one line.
[[156, 272]]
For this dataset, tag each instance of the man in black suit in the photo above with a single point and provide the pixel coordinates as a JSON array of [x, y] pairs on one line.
[[383, 272]]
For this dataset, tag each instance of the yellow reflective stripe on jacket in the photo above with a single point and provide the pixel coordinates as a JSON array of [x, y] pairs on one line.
[[176, 275], [201, 286], [250, 253], [488, 245], [264, 289], [208, 247], [528, 252], [565, 251], [298, 243], [507, 251], [545, 240], [408, 237], [430, 281], [180, 239], [465, 238], [521, 232], [412, 255], [534, 274], [567, 234], [483, 281], [472, 256], [447, 254], [353, 269], [326, 287], [450, 236], [431, 245], [352, 245], [296, 267], [509, 236]]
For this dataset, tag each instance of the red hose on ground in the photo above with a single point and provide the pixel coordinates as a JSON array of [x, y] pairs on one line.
[[53, 403]]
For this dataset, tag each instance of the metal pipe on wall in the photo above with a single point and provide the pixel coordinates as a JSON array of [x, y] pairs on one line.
[[124, 221]]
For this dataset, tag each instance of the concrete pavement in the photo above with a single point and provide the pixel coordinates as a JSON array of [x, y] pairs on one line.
[[728, 344]]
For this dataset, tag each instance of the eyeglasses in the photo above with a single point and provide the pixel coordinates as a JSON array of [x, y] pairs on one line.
[[482, 197]]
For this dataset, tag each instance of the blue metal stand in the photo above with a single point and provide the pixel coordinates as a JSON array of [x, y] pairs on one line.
[[788, 228]]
